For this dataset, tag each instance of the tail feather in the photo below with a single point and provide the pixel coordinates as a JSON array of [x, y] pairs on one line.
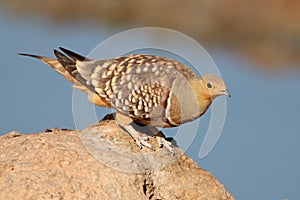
[[70, 67], [73, 55], [55, 64], [66, 66], [31, 55]]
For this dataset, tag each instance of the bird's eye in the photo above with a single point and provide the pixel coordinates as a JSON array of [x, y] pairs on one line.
[[209, 85]]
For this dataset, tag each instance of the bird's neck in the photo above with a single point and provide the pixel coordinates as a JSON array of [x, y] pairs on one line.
[[203, 95]]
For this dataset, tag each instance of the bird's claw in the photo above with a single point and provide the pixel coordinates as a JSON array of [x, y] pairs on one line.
[[162, 142], [141, 141]]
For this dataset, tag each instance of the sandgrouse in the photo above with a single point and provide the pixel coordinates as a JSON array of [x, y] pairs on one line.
[[146, 89]]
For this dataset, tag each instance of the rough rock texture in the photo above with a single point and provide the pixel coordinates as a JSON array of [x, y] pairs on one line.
[[101, 162]]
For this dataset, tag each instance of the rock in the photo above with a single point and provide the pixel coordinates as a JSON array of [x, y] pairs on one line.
[[101, 162]]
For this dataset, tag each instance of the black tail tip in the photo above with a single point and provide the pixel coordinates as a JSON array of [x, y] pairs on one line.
[[73, 55], [23, 54], [29, 55]]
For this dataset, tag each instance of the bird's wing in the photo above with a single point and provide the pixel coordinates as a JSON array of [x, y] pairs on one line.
[[136, 85]]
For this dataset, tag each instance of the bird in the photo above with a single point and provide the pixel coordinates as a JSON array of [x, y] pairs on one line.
[[149, 90]]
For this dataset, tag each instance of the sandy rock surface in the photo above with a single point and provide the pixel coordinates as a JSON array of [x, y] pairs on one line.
[[100, 162]]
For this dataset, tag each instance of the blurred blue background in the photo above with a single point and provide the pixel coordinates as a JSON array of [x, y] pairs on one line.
[[257, 156]]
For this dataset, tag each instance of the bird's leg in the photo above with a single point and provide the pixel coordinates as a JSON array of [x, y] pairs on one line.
[[125, 123], [160, 138]]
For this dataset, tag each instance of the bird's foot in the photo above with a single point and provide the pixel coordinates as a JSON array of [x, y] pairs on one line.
[[162, 142], [141, 141]]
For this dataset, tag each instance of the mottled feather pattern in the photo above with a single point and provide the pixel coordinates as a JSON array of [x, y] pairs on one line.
[[133, 84]]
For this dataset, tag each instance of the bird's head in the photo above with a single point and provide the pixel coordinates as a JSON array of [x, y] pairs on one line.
[[214, 85]]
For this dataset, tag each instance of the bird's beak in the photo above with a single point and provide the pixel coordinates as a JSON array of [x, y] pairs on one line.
[[227, 93]]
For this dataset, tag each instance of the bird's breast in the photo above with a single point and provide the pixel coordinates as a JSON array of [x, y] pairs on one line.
[[183, 103]]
